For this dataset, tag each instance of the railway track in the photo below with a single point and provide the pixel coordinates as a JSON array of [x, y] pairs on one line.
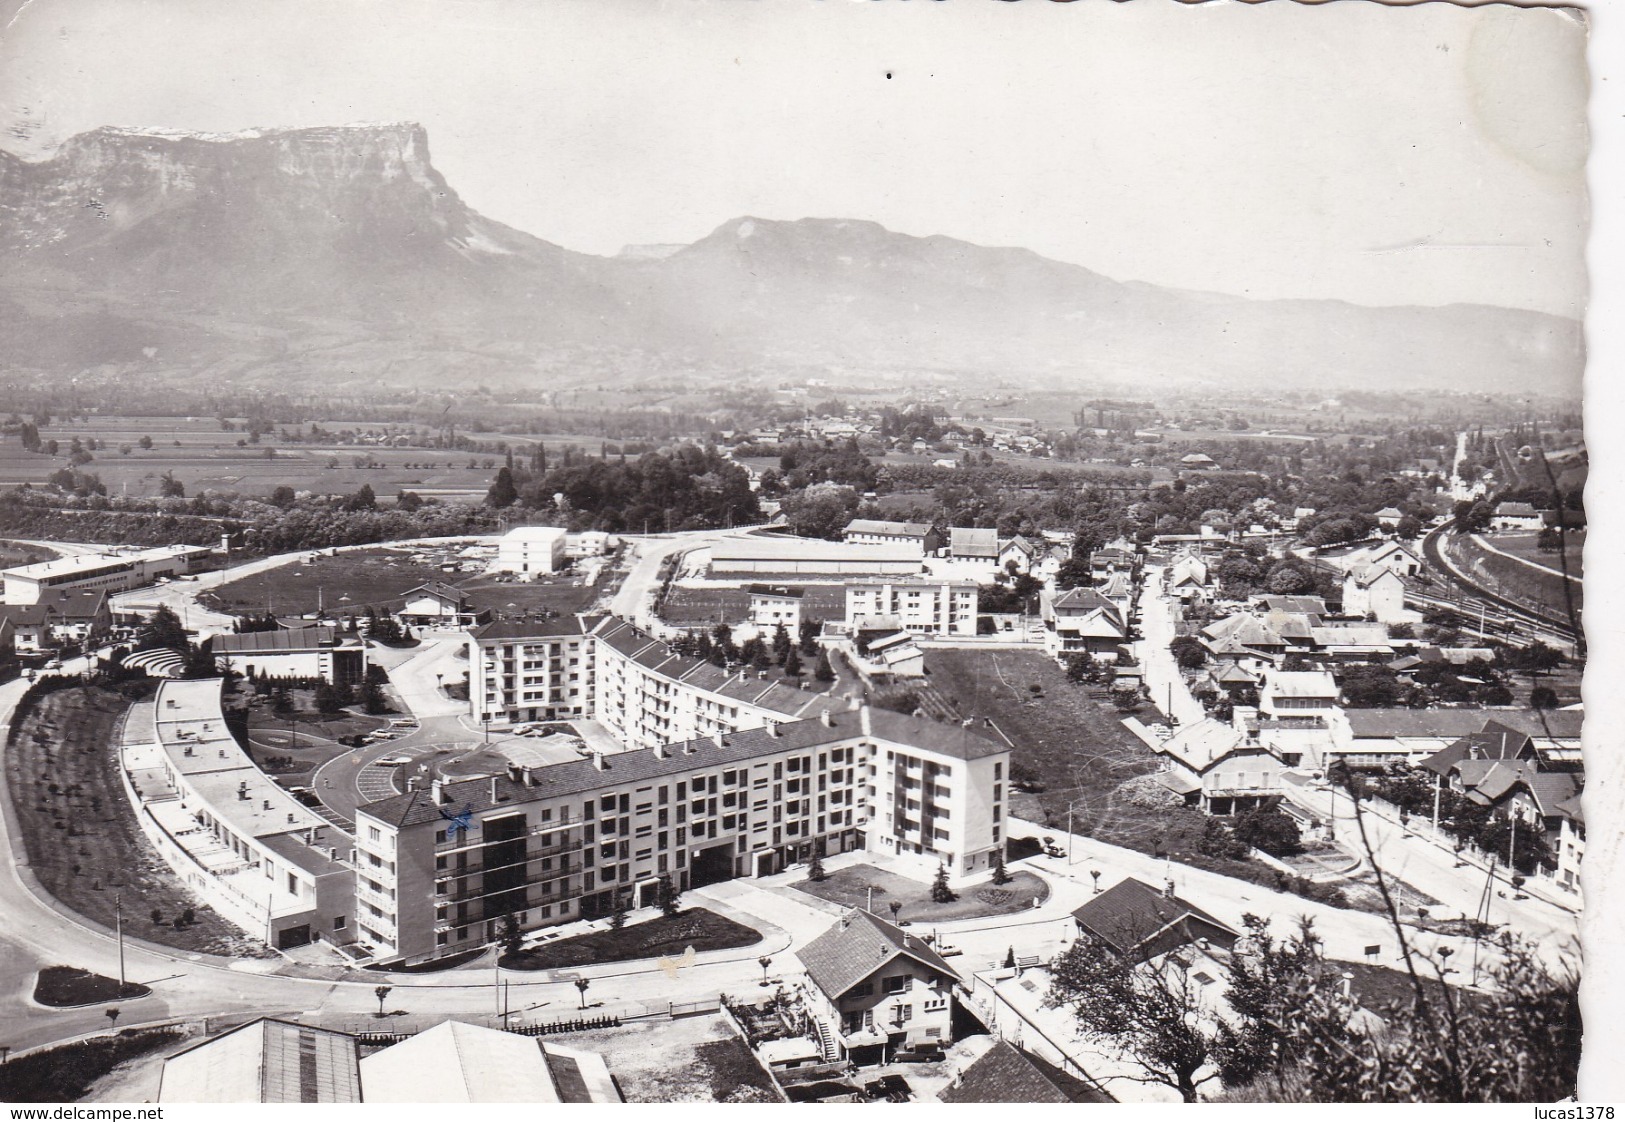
[[1453, 590]]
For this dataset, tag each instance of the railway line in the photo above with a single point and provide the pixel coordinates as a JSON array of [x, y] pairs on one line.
[[1451, 589]]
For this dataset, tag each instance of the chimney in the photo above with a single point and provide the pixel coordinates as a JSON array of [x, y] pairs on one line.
[[1168, 888], [188, 751], [825, 719], [906, 943], [495, 795], [718, 739], [290, 816], [514, 772], [242, 790], [267, 804], [598, 761], [663, 751], [530, 776], [772, 728], [437, 791]]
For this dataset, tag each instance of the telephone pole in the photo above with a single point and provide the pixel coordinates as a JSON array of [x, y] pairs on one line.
[[118, 920]]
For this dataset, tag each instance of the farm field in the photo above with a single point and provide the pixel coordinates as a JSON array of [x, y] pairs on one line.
[[203, 456], [82, 838], [352, 582]]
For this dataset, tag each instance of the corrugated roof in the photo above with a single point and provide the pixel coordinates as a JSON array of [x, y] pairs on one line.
[[265, 1061], [855, 948]]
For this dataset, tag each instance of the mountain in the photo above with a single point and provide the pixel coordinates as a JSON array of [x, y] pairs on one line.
[[340, 255]]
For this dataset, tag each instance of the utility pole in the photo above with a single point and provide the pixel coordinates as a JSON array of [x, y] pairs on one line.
[[1437, 787], [118, 919]]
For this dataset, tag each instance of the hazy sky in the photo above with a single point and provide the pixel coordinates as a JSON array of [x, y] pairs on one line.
[[1383, 155]]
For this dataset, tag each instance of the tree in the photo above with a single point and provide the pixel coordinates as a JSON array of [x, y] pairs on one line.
[[327, 700], [146, 443], [1408, 527], [283, 496], [667, 896], [1286, 580], [617, 915], [815, 867], [781, 644], [512, 938], [362, 499], [1270, 829], [169, 487], [111, 1013], [1153, 1013], [502, 493], [381, 992], [163, 630], [895, 906], [1188, 652], [1001, 875], [1010, 959], [792, 663], [823, 671], [373, 701], [1543, 697], [581, 988], [941, 893]]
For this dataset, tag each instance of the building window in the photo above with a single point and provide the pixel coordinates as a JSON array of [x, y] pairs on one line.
[[340, 923], [899, 984]]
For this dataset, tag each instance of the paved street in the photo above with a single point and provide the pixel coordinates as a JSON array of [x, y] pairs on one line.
[[1162, 678]]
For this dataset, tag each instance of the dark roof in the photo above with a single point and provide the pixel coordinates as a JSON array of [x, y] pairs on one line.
[[521, 629], [1495, 742], [776, 590], [1133, 910], [573, 777], [74, 603], [859, 945], [1560, 724], [305, 639], [31, 615], [1003, 1075], [438, 589], [1515, 510]]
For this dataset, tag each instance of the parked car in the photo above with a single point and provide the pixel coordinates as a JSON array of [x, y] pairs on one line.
[[393, 761]]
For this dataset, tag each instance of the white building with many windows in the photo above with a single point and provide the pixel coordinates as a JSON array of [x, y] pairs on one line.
[[938, 607], [530, 551]]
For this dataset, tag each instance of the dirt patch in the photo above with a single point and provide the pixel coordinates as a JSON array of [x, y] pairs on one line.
[[80, 832], [690, 1060]]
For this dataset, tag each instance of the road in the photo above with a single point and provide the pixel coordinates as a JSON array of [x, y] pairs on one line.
[[1162, 677], [635, 598]]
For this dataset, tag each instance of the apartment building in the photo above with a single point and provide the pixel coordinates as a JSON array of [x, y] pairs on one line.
[[940, 607], [440, 868], [531, 672]]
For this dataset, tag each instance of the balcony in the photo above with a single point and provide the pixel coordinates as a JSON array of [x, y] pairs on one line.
[[459, 839], [444, 891]]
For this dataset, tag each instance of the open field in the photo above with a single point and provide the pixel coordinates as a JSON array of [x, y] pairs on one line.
[[689, 1060], [1525, 546], [850, 887], [664, 935], [202, 455], [1539, 586], [82, 838], [13, 554], [350, 583]]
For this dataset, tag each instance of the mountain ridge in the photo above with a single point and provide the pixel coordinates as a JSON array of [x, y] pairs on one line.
[[342, 253]]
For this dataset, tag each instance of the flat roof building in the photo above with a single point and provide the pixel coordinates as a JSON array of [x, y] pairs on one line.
[[107, 572]]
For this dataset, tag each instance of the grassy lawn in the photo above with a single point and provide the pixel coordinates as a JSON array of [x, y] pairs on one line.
[[850, 887], [351, 582], [667, 935], [1527, 547], [83, 842], [67, 986], [690, 1060]]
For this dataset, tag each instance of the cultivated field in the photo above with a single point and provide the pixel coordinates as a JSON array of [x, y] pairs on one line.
[[352, 582], [203, 456], [80, 831]]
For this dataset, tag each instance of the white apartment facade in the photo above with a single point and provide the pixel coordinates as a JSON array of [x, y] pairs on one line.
[[530, 551], [939, 607]]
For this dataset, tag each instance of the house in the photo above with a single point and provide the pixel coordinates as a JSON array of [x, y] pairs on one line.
[[78, 615], [1111, 559], [1293, 605], [1571, 843], [919, 535], [1135, 920], [454, 1062], [1232, 679], [1394, 557], [1187, 579], [309, 652], [1081, 619], [1516, 517], [8, 644], [1245, 639], [977, 545], [1198, 461], [1017, 555], [771, 605], [1004, 1074], [898, 655], [29, 625], [873, 988], [1119, 589], [1389, 517], [1220, 767], [1297, 693], [438, 604], [1374, 737], [530, 551], [1375, 592], [271, 1060]]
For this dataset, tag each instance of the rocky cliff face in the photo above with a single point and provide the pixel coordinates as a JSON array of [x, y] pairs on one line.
[[341, 253]]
